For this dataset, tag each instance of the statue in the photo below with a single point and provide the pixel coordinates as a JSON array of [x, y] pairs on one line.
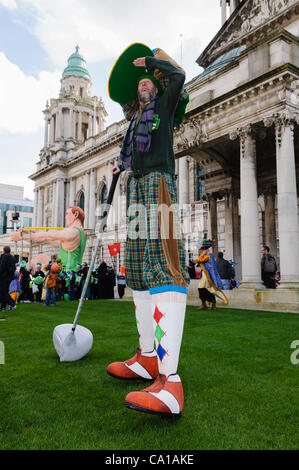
[[71, 240]]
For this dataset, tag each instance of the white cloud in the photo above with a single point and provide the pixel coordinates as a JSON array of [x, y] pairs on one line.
[[23, 97], [11, 4], [104, 29]]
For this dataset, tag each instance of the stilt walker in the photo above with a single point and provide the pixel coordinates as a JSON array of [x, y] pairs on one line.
[[149, 86]]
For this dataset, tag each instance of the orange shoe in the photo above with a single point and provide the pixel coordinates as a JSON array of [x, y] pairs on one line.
[[164, 397], [138, 367]]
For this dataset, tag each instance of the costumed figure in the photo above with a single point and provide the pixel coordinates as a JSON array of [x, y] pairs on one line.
[[150, 90], [71, 241], [210, 285]]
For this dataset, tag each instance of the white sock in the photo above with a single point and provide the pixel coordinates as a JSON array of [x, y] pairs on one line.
[[143, 311], [168, 310]]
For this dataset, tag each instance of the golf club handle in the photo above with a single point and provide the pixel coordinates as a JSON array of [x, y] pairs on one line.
[[94, 255]]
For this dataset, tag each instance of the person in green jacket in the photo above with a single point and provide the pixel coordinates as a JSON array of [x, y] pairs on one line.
[[155, 262]]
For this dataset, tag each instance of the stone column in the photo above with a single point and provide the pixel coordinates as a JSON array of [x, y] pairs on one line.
[[35, 211], [58, 124], [250, 244], [52, 130], [213, 222], [46, 141], [75, 114], [270, 226], [71, 124], [72, 191], [86, 198], [232, 229], [89, 134], [59, 203], [223, 12], [183, 181], [80, 127], [94, 118], [40, 207], [92, 199], [287, 205], [233, 5]]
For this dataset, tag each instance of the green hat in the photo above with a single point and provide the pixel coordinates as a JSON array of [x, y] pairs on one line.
[[38, 264], [124, 77]]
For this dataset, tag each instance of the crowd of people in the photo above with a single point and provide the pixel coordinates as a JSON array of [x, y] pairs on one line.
[[51, 282]]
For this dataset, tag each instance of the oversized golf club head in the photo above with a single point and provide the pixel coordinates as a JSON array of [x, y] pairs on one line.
[[72, 346]]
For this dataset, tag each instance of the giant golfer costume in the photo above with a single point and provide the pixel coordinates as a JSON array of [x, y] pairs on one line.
[[155, 263]]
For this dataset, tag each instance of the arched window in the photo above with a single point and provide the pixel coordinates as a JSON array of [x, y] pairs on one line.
[[104, 195], [130, 188], [81, 201]]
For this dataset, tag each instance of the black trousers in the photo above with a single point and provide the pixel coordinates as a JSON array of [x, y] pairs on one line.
[[121, 290], [4, 295], [206, 296]]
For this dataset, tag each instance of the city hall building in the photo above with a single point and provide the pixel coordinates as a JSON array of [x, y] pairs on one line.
[[237, 161]]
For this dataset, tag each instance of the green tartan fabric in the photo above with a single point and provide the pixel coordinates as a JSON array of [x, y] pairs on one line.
[[146, 263]]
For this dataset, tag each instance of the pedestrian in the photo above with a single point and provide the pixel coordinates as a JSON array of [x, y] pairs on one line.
[[210, 284], [26, 292], [191, 269], [102, 271], [121, 282], [72, 286], [50, 282], [268, 268], [39, 277], [224, 269], [110, 282], [7, 271], [14, 287]]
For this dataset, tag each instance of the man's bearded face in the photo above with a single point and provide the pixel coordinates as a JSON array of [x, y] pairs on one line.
[[146, 90]]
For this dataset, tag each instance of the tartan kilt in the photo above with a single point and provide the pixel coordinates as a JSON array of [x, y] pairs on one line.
[[149, 261]]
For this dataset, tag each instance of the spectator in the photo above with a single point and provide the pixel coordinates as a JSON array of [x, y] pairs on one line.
[[191, 270], [234, 282], [50, 282], [72, 286], [121, 282], [26, 292], [14, 287], [102, 271], [110, 282], [268, 268], [39, 277], [224, 269], [7, 270]]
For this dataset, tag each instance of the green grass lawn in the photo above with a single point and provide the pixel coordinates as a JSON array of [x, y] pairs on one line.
[[241, 390]]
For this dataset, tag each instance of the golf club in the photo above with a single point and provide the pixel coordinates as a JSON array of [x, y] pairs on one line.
[[72, 341]]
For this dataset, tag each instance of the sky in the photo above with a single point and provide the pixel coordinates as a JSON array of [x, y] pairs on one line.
[[38, 36]]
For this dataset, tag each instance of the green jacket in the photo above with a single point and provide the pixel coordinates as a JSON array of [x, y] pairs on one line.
[[160, 156]]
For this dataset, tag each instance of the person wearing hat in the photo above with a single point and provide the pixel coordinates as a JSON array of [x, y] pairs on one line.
[[39, 276], [210, 284], [155, 261]]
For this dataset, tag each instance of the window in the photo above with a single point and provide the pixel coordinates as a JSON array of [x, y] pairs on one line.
[[200, 184], [104, 195], [81, 201]]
